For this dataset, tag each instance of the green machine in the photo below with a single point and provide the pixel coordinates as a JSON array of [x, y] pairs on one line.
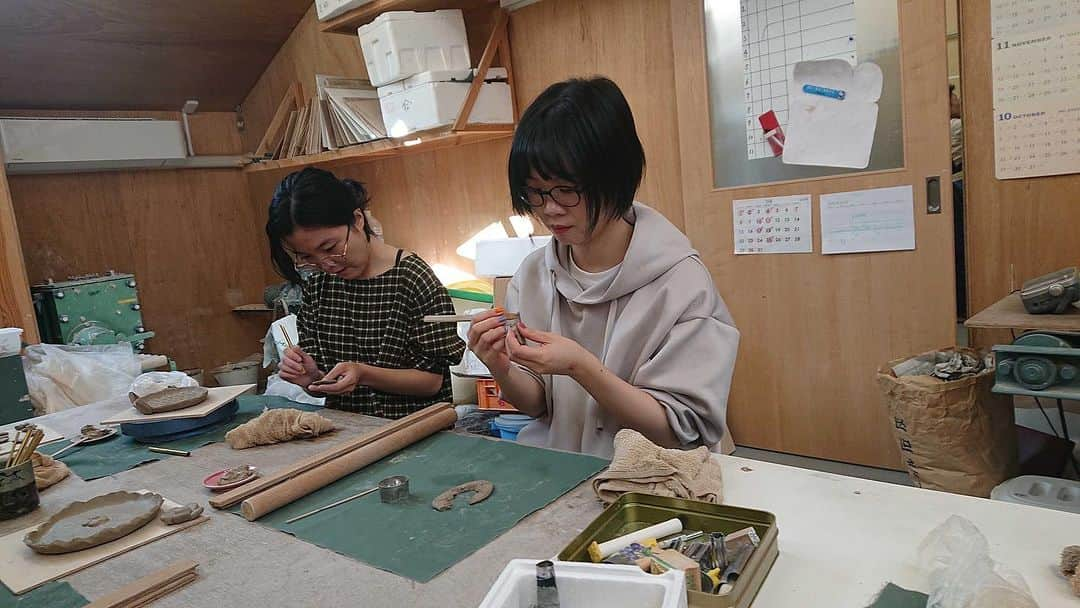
[[91, 310]]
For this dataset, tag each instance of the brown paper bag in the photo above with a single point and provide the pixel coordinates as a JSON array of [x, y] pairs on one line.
[[954, 436]]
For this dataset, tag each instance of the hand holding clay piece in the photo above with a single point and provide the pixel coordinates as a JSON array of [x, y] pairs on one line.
[[84, 524], [178, 515]]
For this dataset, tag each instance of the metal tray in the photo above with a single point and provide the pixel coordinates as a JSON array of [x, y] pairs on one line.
[[636, 511]]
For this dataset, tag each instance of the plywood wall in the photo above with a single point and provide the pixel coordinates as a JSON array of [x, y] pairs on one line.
[[432, 203], [188, 236], [1016, 229]]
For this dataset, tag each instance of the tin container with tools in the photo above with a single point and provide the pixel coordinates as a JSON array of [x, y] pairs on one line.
[[18, 490], [635, 511], [394, 489]]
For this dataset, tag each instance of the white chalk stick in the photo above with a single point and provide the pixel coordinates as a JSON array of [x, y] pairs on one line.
[[599, 551]]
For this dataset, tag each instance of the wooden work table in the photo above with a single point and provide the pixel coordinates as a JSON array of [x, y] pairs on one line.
[[1009, 313], [841, 538]]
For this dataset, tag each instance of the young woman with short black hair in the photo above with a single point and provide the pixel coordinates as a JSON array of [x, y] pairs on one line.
[[360, 323], [623, 324]]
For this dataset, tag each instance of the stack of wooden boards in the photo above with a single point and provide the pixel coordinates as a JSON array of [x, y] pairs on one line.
[[342, 112], [149, 588], [275, 491]]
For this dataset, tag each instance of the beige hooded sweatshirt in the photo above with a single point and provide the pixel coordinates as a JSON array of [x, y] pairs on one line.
[[655, 320]]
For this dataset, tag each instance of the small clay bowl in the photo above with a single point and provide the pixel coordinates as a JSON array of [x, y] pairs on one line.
[[211, 481], [109, 433]]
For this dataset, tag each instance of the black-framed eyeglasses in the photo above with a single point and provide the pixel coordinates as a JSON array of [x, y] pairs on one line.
[[564, 196], [300, 261]]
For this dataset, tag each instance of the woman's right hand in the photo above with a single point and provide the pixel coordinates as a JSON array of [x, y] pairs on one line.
[[487, 338], [299, 368]]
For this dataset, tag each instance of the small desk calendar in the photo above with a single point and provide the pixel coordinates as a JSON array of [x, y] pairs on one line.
[[1036, 59], [780, 224]]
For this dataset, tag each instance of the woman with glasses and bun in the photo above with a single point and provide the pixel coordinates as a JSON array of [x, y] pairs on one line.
[[621, 323], [363, 343]]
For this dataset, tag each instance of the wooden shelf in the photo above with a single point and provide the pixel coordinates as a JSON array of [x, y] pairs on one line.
[[348, 22], [390, 148], [1009, 313]]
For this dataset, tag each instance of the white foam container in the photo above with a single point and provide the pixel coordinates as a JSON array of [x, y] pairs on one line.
[[10, 341], [328, 9], [433, 99], [501, 257], [589, 586], [399, 44], [1039, 491]]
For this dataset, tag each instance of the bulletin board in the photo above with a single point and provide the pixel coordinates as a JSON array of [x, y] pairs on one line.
[[751, 49]]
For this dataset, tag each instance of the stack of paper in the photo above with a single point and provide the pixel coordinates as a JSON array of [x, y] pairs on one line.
[[343, 112]]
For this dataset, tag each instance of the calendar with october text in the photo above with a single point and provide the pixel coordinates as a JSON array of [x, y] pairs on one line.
[[1036, 77]]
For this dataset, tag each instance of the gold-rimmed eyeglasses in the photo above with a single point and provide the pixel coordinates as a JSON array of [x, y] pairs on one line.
[[306, 262]]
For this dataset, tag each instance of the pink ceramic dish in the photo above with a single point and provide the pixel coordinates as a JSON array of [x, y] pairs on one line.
[[211, 481]]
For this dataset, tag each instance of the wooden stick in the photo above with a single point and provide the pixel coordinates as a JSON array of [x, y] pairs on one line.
[[11, 454], [29, 446], [510, 316], [497, 33], [163, 591], [138, 590], [288, 340], [238, 495], [277, 123], [78, 441], [332, 505]]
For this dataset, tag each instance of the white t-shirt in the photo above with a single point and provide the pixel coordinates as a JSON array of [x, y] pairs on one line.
[[588, 279]]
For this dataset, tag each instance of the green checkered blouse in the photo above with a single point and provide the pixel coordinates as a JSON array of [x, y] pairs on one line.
[[378, 321]]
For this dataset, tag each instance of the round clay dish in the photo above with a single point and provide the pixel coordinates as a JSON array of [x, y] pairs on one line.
[[211, 481], [84, 524], [103, 434]]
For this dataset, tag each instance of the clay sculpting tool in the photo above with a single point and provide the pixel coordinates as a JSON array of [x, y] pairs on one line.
[[169, 451], [598, 551], [510, 316], [813, 89], [332, 505]]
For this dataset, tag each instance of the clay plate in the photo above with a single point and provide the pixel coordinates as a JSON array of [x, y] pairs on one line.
[[102, 434], [84, 524], [211, 481], [171, 399]]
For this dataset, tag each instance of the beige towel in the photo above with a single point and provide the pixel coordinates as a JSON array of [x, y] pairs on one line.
[[276, 426], [47, 470], [640, 465]]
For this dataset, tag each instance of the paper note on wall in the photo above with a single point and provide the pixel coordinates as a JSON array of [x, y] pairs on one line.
[[1036, 70], [882, 219], [833, 114], [777, 34], [781, 224]]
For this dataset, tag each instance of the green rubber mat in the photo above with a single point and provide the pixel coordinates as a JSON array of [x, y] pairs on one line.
[[51, 595], [122, 453], [414, 540]]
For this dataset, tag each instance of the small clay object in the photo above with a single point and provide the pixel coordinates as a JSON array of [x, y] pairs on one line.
[[91, 432], [84, 524], [235, 474], [178, 515], [1070, 560], [171, 399], [482, 489]]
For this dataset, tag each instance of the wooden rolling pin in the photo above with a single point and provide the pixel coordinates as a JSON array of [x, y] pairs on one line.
[[307, 482]]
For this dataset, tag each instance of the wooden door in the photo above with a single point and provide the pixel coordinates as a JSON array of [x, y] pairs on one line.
[[815, 328]]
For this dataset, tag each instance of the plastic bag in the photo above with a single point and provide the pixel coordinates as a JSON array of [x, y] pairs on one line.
[[61, 377], [153, 382], [962, 573], [282, 388]]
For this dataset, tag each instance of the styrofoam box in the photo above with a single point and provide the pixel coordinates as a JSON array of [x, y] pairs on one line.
[[501, 257], [10, 340], [433, 99], [399, 44], [1040, 491], [328, 9], [589, 585]]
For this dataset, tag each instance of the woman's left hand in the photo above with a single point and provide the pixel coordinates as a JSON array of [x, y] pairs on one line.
[[552, 354], [345, 378]]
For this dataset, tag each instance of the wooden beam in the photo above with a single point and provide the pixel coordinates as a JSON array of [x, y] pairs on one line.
[[272, 138], [16, 308], [498, 34]]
